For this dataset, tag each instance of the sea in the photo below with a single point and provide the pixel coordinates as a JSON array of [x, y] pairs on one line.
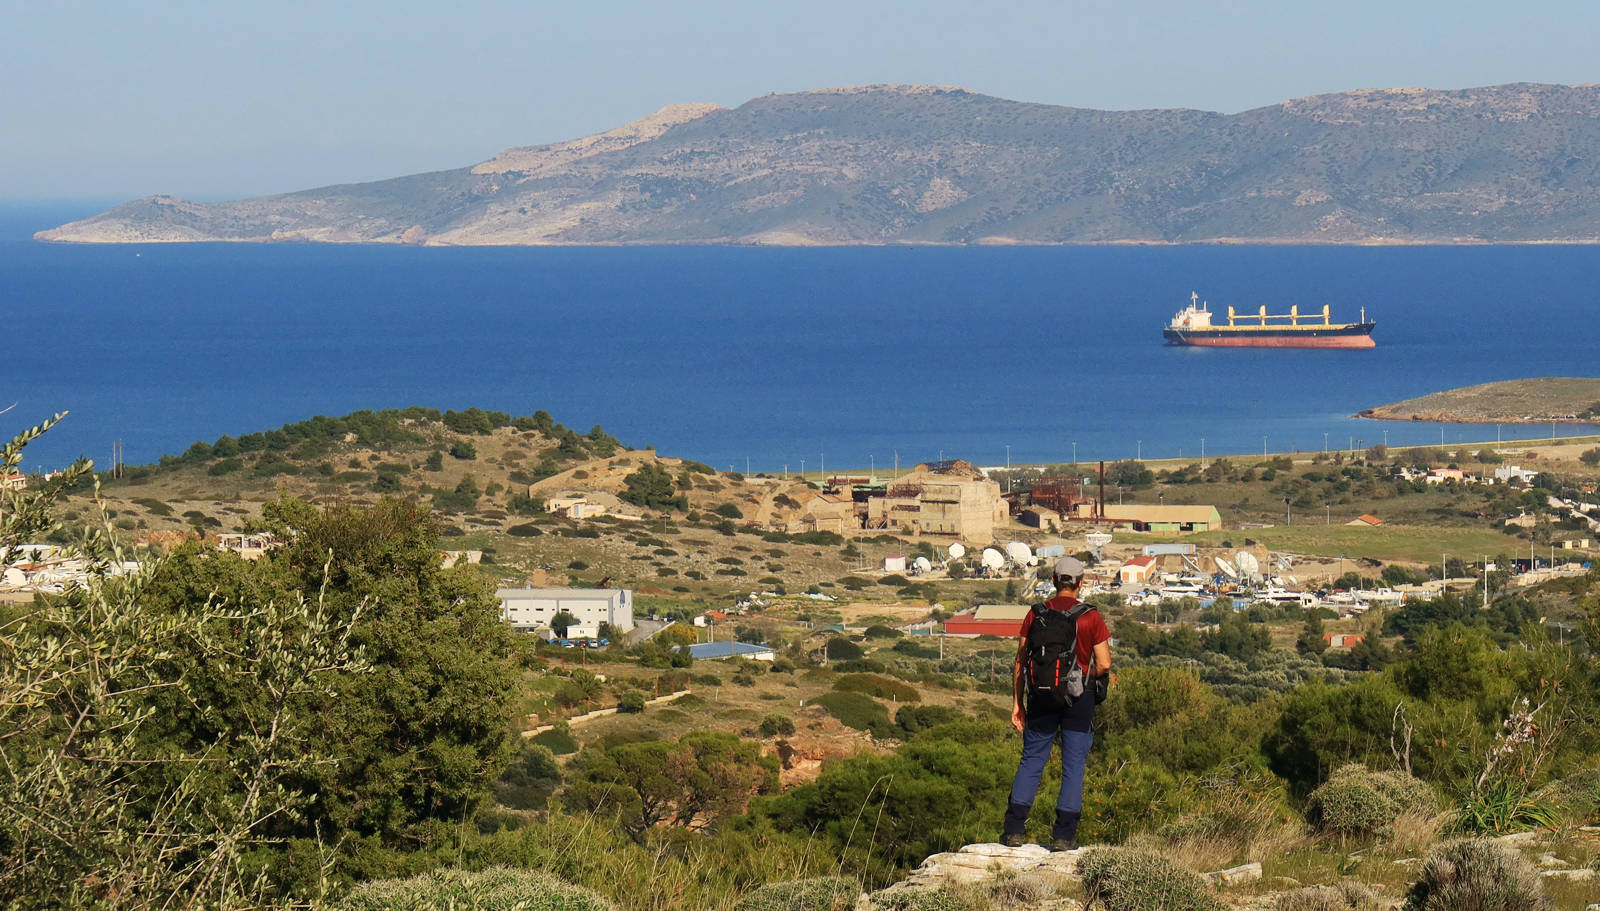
[[768, 359]]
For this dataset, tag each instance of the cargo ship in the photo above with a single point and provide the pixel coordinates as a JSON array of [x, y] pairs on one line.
[[1193, 326]]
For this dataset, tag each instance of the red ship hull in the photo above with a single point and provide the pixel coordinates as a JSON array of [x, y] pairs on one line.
[[1279, 341]]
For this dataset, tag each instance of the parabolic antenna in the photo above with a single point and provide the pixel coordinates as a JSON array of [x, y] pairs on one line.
[[1249, 566], [1097, 541], [991, 558], [1226, 568], [957, 551], [1285, 563], [923, 564], [1020, 553]]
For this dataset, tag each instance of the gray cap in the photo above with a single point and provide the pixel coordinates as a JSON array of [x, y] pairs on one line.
[[1071, 567]]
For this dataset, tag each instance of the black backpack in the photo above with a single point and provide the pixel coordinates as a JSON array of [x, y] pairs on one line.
[[1054, 675]]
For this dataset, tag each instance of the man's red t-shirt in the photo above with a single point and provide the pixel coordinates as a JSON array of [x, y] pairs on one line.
[[1091, 628]]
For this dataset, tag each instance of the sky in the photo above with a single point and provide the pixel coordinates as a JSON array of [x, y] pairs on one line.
[[218, 100]]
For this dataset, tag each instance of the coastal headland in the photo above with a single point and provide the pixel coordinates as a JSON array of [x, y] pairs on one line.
[[1536, 400], [941, 165]]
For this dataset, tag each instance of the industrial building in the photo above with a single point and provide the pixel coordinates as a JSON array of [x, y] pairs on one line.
[[530, 609], [1178, 519], [702, 651], [949, 499], [1004, 620]]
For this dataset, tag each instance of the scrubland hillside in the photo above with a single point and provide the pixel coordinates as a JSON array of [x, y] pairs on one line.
[[344, 715]]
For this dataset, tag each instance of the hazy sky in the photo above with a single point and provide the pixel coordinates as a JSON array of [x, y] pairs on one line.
[[229, 98]]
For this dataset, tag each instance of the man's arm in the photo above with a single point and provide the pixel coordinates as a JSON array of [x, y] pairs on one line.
[[1018, 718], [1102, 660]]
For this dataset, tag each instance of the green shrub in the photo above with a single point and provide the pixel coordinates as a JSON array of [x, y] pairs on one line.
[[226, 466], [914, 718], [631, 703], [940, 899], [1357, 801], [1346, 896], [494, 889], [557, 740], [879, 686], [1124, 879], [773, 725], [525, 530], [842, 649], [857, 711], [824, 893], [1477, 875]]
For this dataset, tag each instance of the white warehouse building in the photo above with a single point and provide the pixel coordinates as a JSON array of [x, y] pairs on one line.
[[529, 609]]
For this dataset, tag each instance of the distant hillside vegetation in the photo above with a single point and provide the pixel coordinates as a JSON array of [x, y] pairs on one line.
[[1550, 398], [923, 164]]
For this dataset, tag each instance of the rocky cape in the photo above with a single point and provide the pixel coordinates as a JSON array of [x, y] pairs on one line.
[[1537, 400], [942, 165]]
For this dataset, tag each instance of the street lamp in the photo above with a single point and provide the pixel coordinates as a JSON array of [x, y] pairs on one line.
[[1287, 520]]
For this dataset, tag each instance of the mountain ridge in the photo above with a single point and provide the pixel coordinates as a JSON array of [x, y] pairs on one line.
[[917, 164]]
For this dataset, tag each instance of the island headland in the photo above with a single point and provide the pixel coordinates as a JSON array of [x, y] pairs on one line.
[[921, 164], [1532, 401]]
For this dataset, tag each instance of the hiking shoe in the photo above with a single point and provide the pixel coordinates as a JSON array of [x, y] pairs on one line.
[[1063, 844], [1012, 839]]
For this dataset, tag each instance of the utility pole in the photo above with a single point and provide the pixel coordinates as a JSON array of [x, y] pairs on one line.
[[1203, 450]]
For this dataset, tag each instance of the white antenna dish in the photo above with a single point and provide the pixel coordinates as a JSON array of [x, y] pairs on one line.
[[992, 558], [957, 551], [923, 564], [1285, 563], [1020, 553], [1226, 568], [1097, 541], [1249, 566]]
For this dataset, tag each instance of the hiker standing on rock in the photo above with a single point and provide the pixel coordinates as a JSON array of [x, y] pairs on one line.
[[1063, 669]]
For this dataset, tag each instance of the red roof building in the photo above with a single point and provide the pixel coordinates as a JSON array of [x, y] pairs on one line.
[[1005, 620]]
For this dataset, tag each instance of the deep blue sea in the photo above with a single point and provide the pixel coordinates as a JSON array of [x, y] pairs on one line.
[[769, 356]]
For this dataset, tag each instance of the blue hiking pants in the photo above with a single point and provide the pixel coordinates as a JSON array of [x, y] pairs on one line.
[[1038, 735]]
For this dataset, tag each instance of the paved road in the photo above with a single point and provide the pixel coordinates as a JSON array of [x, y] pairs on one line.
[[644, 629]]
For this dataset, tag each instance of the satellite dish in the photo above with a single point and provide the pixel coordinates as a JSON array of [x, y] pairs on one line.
[[992, 558], [1097, 541], [1226, 568], [923, 564], [1249, 566], [957, 551], [1285, 563], [1020, 553]]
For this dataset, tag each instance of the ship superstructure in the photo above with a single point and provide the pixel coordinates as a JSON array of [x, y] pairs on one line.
[[1193, 326]]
